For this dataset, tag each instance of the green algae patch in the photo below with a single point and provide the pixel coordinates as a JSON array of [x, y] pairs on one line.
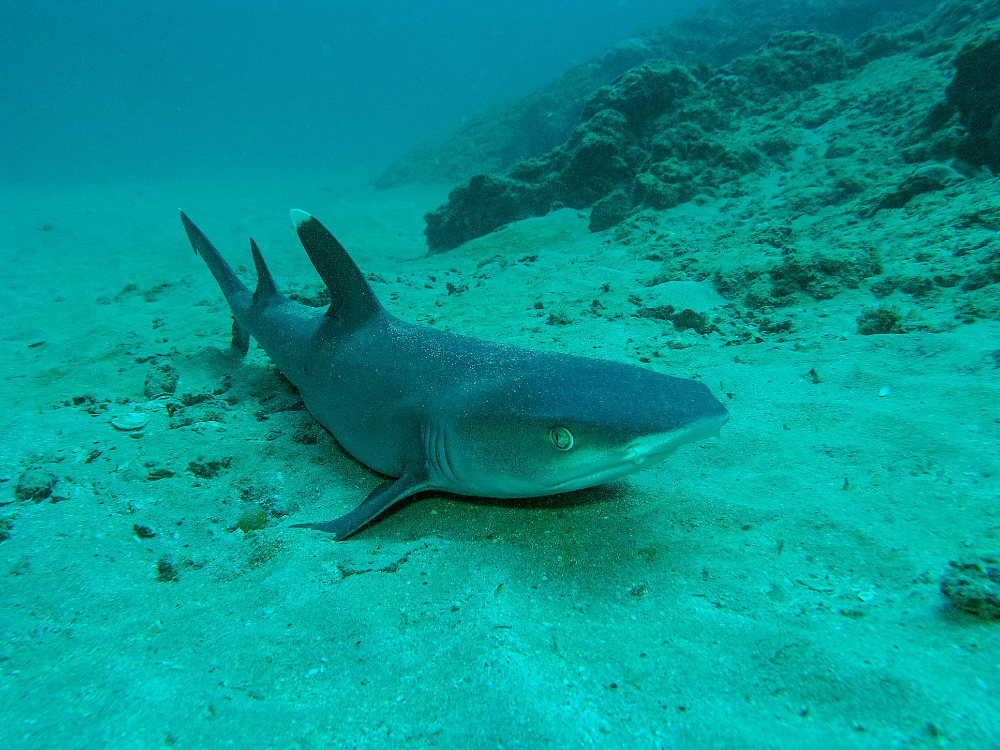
[[253, 519]]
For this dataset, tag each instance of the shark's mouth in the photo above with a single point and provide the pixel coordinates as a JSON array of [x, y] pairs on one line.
[[641, 454]]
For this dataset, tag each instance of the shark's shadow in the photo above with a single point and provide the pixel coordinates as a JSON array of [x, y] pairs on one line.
[[615, 492]]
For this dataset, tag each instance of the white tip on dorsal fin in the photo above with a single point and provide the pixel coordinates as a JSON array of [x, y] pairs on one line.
[[299, 217]]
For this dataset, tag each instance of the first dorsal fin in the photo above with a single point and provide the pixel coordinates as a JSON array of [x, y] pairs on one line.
[[351, 299]]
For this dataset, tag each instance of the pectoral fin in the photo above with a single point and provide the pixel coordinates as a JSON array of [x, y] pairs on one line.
[[382, 497]]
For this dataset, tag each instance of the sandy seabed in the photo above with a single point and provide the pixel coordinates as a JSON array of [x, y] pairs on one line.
[[777, 587]]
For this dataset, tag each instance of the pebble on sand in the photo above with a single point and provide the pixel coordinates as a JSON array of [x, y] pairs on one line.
[[130, 422], [35, 485]]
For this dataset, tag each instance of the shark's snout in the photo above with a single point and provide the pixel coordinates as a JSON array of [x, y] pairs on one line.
[[655, 447]]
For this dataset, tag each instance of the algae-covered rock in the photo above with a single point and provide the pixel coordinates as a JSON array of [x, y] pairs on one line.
[[975, 92], [609, 211], [590, 165], [642, 93], [653, 192], [166, 571], [973, 585], [927, 179], [822, 275], [483, 206], [916, 286], [209, 469], [593, 162], [35, 485], [882, 42], [683, 320], [879, 320], [796, 60]]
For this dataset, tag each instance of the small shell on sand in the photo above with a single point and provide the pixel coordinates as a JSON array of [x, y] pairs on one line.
[[130, 422]]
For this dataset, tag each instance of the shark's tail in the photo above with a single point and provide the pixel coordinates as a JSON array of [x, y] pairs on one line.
[[239, 297]]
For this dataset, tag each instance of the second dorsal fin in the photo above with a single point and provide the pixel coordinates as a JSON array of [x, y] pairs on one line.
[[351, 299], [267, 290]]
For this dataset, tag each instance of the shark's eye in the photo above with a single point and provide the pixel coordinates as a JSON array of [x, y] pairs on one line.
[[561, 438]]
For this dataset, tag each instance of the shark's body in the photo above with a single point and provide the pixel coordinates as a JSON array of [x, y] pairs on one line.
[[438, 411]]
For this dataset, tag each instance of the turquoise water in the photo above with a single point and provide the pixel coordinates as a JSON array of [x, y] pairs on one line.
[[146, 90], [791, 211]]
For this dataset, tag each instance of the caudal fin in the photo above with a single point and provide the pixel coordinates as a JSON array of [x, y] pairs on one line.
[[236, 292], [351, 299]]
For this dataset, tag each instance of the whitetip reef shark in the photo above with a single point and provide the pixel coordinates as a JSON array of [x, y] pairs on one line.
[[443, 412]]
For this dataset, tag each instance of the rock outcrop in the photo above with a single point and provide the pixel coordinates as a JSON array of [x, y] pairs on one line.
[[714, 35]]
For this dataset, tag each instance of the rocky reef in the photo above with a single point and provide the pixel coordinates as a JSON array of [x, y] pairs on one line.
[[975, 93], [658, 136], [811, 169], [664, 133], [715, 35]]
